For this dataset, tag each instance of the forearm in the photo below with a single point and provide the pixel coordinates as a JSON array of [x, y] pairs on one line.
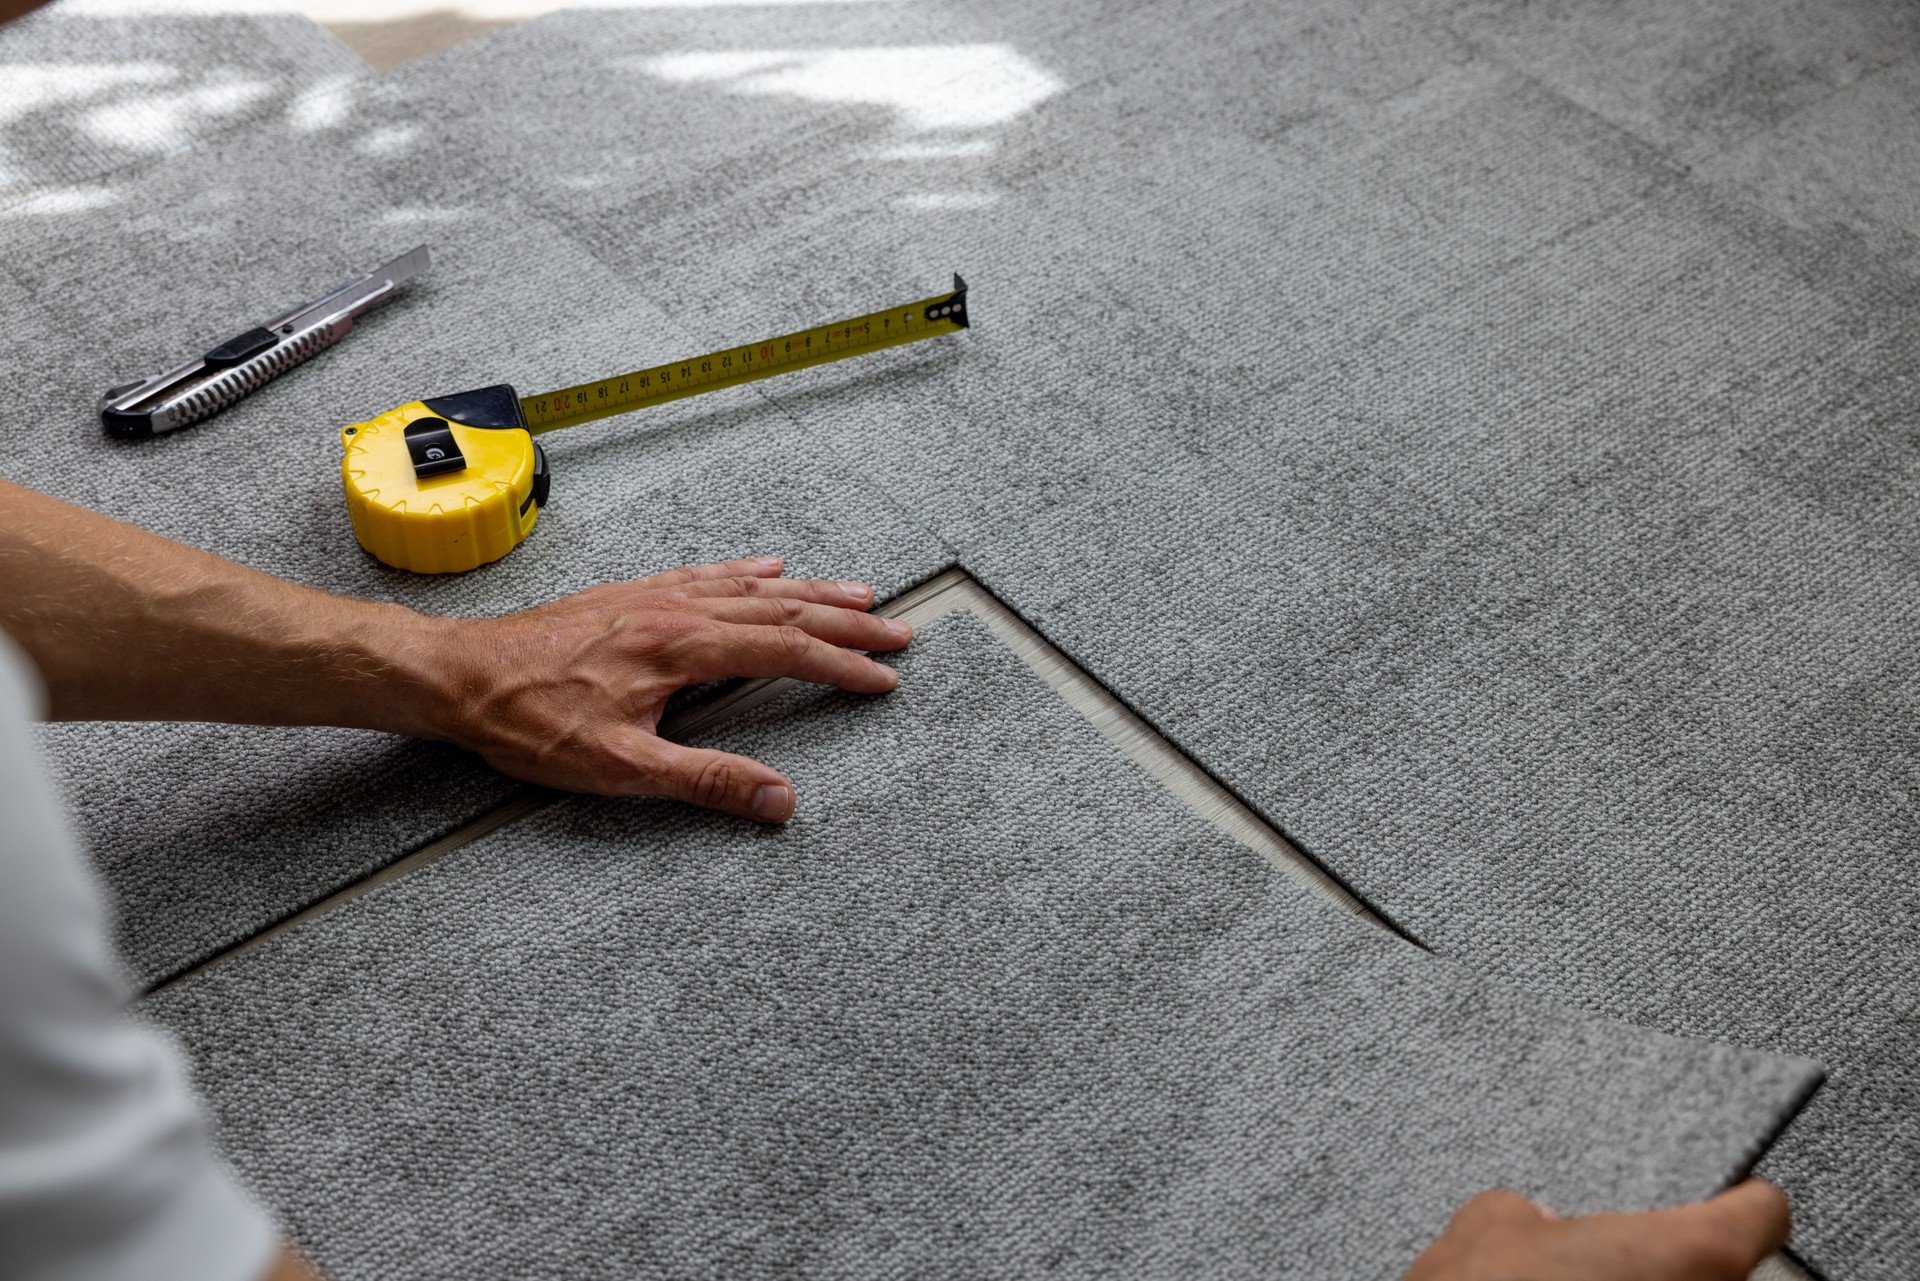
[[126, 625]]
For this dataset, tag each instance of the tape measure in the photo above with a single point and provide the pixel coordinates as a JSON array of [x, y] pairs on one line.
[[453, 482]]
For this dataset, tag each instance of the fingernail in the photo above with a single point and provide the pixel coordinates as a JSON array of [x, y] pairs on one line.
[[772, 803], [859, 591], [766, 562], [895, 682], [899, 629]]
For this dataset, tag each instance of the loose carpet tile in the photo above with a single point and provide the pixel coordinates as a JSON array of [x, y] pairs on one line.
[[992, 1003], [1521, 523], [205, 834]]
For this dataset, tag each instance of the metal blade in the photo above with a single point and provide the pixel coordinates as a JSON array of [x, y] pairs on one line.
[[359, 294]]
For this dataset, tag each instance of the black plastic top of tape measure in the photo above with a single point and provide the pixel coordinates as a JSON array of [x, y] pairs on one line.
[[497, 406]]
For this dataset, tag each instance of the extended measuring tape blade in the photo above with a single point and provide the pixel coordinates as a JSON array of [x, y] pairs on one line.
[[570, 406], [450, 483]]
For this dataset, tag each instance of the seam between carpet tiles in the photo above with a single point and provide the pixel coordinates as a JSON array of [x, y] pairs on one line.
[[529, 800], [1445, 27], [949, 591], [514, 808], [1784, 1264]]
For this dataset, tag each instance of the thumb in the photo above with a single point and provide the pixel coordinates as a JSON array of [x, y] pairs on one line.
[[718, 781], [1754, 1213], [1726, 1235]]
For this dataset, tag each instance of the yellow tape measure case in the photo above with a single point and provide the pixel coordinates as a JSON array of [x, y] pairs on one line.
[[444, 485]]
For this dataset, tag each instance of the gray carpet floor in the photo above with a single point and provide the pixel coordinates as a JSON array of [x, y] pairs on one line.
[[992, 1004], [1480, 433], [1486, 445]]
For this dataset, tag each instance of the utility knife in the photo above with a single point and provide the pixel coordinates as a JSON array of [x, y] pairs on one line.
[[209, 383]]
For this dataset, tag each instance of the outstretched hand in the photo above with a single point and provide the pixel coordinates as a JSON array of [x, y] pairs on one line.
[[125, 625], [1503, 1236], [570, 694]]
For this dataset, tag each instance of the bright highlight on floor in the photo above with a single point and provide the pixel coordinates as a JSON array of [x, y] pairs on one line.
[[1000, 84]]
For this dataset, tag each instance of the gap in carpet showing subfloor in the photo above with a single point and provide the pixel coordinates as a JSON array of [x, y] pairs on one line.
[[948, 592]]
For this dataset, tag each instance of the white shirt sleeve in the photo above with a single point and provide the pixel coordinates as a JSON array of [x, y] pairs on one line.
[[105, 1172]]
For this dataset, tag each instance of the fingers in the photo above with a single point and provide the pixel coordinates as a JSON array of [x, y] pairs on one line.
[[1731, 1232], [750, 567], [754, 576], [1756, 1210], [847, 628], [1722, 1239], [821, 591], [717, 781], [1483, 1230], [1503, 1234], [721, 650]]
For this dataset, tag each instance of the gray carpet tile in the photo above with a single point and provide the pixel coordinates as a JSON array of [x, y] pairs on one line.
[[210, 247], [1692, 78], [91, 90], [1843, 168], [991, 1004], [1521, 525]]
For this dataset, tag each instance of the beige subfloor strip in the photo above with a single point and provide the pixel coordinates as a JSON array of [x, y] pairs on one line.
[[386, 43]]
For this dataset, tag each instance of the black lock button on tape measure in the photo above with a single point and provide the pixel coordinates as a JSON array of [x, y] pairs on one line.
[[453, 482]]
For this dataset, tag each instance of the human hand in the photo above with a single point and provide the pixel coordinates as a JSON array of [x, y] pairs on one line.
[[570, 694], [1503, 1236]]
